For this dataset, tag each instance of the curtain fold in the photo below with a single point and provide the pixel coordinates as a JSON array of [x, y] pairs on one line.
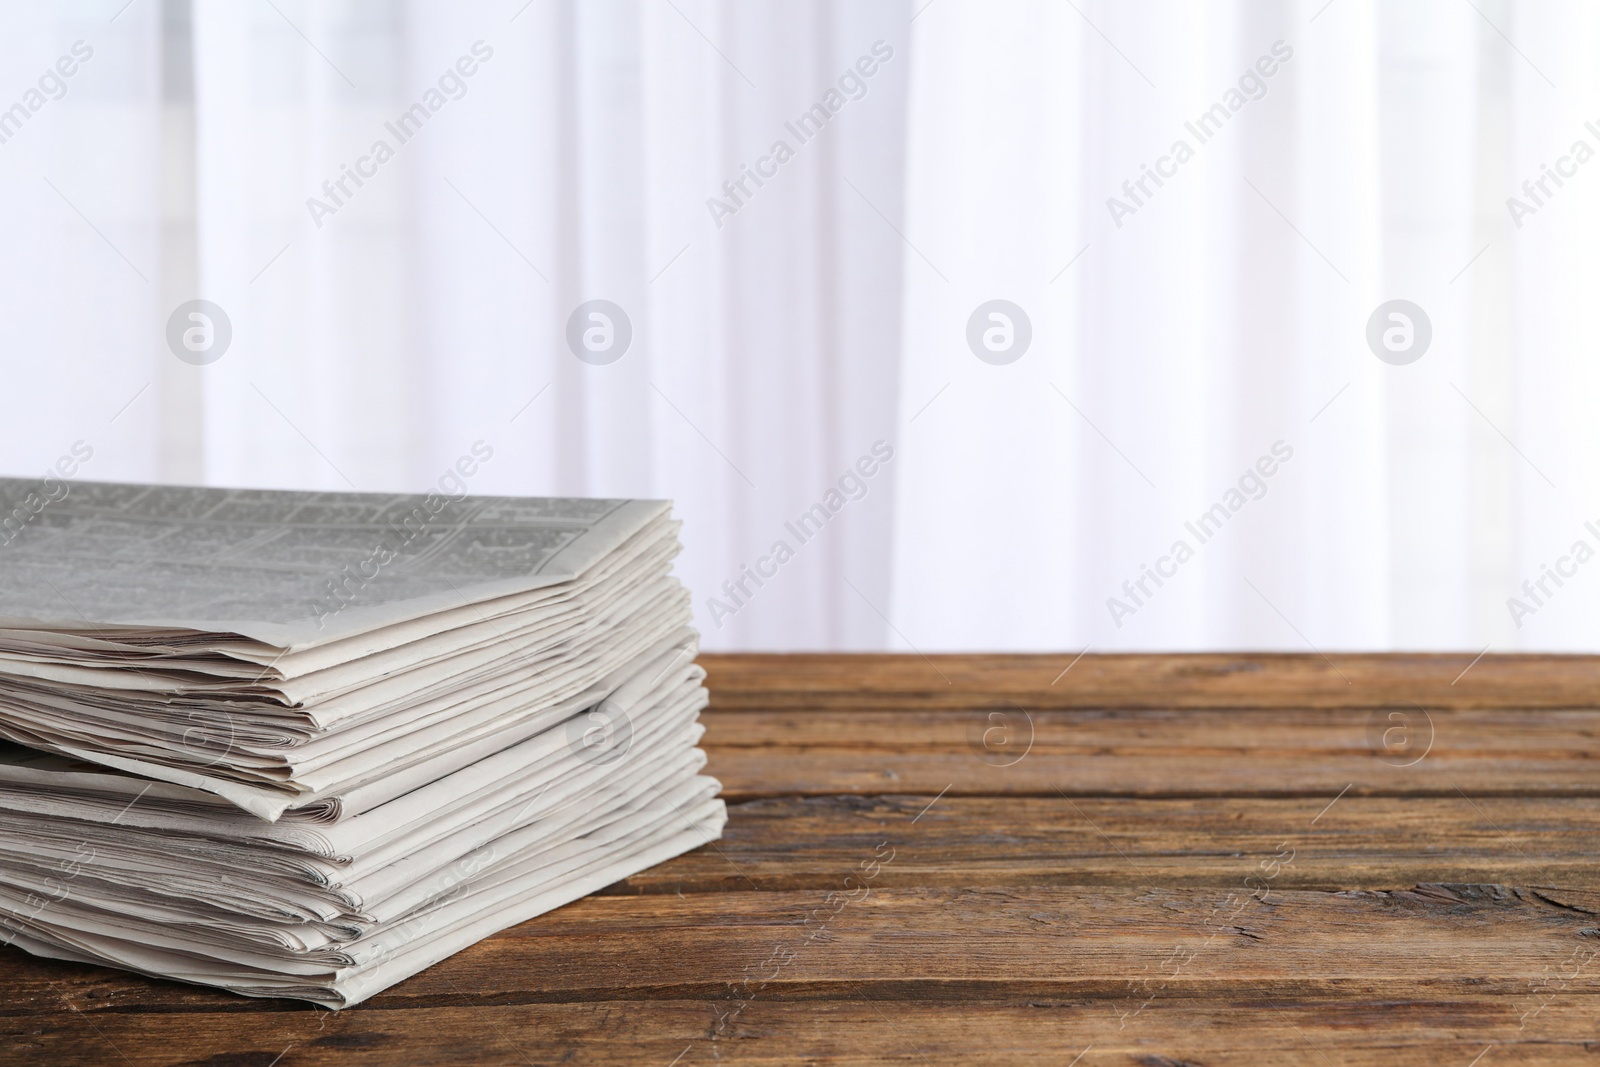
[[824, 229]]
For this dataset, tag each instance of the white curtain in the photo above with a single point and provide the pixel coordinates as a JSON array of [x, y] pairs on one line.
[[799, 379]]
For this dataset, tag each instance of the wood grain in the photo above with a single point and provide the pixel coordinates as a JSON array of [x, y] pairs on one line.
[[1193, 860], [1289, 752], [794, 843], [1296, 1031], [1260, 680]]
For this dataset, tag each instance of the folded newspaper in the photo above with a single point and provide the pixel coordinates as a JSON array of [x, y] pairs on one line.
[[308, 744]]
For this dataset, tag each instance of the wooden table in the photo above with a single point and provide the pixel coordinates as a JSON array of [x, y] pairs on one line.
[[1153, 860]]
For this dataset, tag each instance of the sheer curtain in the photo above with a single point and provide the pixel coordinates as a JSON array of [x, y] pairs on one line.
[[800, 212], [430, 309]]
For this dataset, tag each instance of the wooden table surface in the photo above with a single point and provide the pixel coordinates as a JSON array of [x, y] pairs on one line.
[[1152, 860]]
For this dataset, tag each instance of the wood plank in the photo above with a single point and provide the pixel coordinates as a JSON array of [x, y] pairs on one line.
[[1387, 1031], [1116, 945], [1039, 940], [1300, 752], [1230, 732], [795, 843], [1203, 680]]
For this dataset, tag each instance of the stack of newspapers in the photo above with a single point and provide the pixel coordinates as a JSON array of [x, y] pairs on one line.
[[308, 744]]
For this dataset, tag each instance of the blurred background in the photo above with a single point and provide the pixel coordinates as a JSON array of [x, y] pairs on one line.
[[980, 309]]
